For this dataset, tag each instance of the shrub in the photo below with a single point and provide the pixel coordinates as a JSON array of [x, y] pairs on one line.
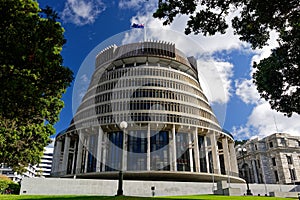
[[3, 185], [7, 186]]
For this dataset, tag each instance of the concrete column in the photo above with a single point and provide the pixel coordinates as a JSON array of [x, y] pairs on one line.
[[87, 145], [99, 149], [171, 150], [104, 151], [233, 160], [215, 156], [196, 150], [74, 158], [125, 142], [79, 151], [56, 158], [190, 152], [174, 157], [208, 164], [226, 155], [66, 154], [148, 148]]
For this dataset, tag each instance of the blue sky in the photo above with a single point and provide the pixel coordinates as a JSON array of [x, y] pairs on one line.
[[88, 23]]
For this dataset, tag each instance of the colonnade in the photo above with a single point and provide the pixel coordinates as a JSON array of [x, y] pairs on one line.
[[86, 150]]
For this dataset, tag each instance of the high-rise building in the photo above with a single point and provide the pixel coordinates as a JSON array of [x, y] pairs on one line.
[[14, 176], [43, 169], [145, 113]]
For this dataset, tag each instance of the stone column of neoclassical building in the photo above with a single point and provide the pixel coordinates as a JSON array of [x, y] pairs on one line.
[[171, 133]]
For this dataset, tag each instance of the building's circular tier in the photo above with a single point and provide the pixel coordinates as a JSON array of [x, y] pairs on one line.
[[171, 128]]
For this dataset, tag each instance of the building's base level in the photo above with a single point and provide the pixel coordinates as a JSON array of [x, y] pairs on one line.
[[159, 175], [62, 186]]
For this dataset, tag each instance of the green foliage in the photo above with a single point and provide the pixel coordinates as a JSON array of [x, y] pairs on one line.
[[278, 76], [33, 80], [8, 185], [239, 142], [14, 188], [3, 186]]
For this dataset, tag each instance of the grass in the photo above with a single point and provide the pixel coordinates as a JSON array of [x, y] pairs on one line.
[[74, 197]]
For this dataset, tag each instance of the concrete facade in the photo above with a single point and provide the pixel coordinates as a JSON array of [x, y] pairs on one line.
[[57, 186], [170, 127], [273, 159]]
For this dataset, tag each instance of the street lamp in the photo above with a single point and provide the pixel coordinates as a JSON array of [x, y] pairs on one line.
[[243, 151], [123, 126]]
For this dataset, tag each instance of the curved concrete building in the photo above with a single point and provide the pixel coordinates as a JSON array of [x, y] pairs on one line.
[[145, 113]]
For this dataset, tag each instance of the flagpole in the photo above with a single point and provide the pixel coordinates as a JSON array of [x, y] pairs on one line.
[[145, 33]]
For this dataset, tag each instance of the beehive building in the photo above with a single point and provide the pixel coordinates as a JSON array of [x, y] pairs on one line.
[[145, 113]]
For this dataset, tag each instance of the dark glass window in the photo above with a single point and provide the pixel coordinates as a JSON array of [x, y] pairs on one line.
[[114, 151], [222, 164], [276, 176], [182, 152], [271, 144], [289, 159], [274, 161], [137, 149], [202, 154], [210, 161], [292, 174], [91, 164], [159, 150]]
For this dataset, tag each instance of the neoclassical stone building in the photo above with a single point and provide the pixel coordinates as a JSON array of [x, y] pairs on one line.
[[273, 159], [145, 113]]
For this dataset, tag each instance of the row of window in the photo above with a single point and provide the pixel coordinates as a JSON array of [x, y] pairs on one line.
[[143, 71], [144, 93], [116, 119], [288, 158], [284, 142], [145, 83], [280, 142], [143, 117], [149, 93], [143, 106]]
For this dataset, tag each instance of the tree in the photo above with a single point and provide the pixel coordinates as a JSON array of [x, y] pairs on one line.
[[277, 77], [33, 80], [239, 142]]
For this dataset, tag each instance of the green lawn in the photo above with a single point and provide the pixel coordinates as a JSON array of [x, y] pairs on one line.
[[73, 197]]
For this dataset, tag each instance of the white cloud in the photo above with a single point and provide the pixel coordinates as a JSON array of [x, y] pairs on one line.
[[216, 78], [51, 145], [82, 12], [246, 90], [216, 73], [266, 50], [132, 4], [84, 78], [264, 121], [83, 82]]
